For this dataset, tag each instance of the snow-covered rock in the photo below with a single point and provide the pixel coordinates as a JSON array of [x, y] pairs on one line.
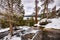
[[43, 20], [36, 25]]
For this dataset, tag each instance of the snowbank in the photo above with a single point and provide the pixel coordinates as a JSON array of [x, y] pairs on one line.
[[55, 23], [3, 30]]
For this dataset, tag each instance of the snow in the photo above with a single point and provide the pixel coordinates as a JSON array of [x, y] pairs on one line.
[[33, 31], [43, 20], [12, 38], [36, 25], [28, 30], [16, 38], [55, 23], [3, 30], [24, 27]]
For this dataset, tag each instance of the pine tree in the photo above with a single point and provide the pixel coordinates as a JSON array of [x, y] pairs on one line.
[[9, 12], [54, 11], [45, 4], [36, 10]]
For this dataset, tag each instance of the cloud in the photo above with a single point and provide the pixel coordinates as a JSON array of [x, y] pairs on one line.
[[57, 2], [29, 5]]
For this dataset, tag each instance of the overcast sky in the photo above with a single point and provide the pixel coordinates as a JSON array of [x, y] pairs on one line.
[[29, 5]]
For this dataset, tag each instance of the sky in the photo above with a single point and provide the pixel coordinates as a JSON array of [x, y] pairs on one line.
[[29, 5]]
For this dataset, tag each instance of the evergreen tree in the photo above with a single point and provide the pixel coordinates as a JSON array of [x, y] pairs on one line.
[[8, 16], [45, 4]]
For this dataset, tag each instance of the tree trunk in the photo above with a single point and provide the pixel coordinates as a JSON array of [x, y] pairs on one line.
[[11, 29], [47, 10], [36, 11], [10, 12]]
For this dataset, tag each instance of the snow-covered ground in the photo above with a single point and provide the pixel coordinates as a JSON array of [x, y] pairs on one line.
[[24, 27], [3, 30], [16, 38], [12, 38], [55, 23], [27, 31]]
